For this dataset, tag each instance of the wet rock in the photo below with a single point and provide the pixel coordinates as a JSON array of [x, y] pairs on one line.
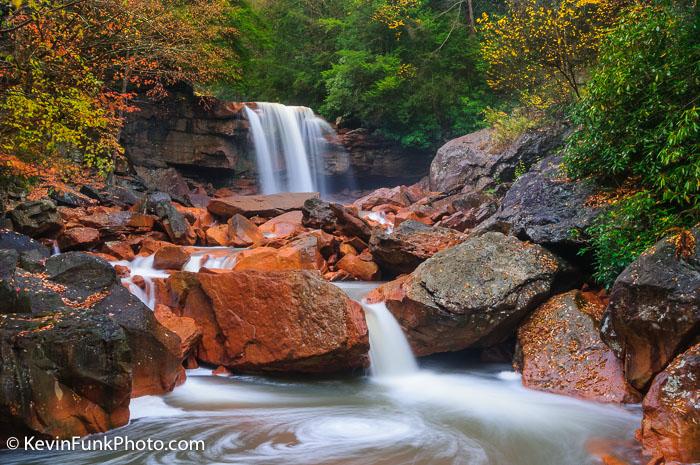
[[21, 243], [561, 351], [671, 425], [545, 207], [303, 253], [78, 238], [217, 235], [185, 328], [113, 224], [334, 218], [472, 295], [174, 223], [472, 163], [63, 375], [410, 244], [285, 225], [170, 258], [36, 219], [155, 351], [267, 206], [400, 196], [360, 267], [120, 250], [654, 309], [243, 233], [272, 321]]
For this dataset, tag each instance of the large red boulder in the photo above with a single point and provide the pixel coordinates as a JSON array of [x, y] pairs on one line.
[[170, 257], [242, 232], [283, 225], [255, 321], [671, 424], [78, 238], [560, 351], [303, 253]]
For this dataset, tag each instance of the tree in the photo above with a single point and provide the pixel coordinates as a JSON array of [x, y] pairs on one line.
[[639, 128], [541, 50], [69, 68]]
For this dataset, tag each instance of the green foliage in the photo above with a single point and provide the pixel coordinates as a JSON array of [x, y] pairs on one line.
[[639, 119], [409, 69], [629, 228]]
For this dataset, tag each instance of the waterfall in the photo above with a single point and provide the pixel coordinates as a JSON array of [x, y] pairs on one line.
[[289, 145], [389, 352]]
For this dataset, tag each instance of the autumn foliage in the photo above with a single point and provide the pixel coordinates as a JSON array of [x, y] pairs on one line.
[[70, 69]]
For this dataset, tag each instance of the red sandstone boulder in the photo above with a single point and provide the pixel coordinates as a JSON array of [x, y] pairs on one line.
[[284, 225], [267, 206], [560, 351], [185, 328], [217, 235], [78, 238], [243, 233], [121, 250], [255, 321], [303, 253], [360, 267], [115, 223], [671, 424], [401, 196], [170, 257]]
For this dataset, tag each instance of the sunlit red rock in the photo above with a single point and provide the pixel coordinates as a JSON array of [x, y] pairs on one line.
[[171, 257], [272, 321], [78, 238], [242, 232], [361, 267], [283, 225]]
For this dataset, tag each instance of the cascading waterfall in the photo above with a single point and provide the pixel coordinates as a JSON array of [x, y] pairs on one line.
[[289, 145], [389, 351]]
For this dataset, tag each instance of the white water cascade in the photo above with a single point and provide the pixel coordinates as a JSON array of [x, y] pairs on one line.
[[289, 145], [389, 352]]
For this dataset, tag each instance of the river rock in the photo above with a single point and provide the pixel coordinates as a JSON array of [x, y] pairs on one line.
[[113, 224], [90, 282], [37, 218], [287, 322], [243, 233], [671, 425], [545, 207], [78, 238], [411, 243], [63, 375], [174, 223], [304, 253], [472, 163], [654, 309], [285, 225], [171, 257], [361, 267], [266, 206], [399, 196], [560, 351], [334, 218], [472, 295]]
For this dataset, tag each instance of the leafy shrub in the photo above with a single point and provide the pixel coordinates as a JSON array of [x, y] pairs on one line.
[[509, 126], [639, 119]]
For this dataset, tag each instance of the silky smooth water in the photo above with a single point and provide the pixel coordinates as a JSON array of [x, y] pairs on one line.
[[480, 416]]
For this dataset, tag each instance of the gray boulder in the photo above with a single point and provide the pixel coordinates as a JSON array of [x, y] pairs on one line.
[[472, 295], [545, 207], [471, 163], [36, 219]]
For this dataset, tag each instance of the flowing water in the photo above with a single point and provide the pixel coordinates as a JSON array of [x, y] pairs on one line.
[[400, 415], [289, 146]]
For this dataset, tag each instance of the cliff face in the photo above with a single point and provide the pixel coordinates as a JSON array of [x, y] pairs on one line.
[[208, 141], [190, 133]]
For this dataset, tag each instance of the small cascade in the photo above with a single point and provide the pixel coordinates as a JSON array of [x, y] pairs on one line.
[[205, 257], [289, 145], [55, 250], [389, 352]]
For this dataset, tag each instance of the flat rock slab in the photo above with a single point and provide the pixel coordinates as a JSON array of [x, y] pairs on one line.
[[266, 206]]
